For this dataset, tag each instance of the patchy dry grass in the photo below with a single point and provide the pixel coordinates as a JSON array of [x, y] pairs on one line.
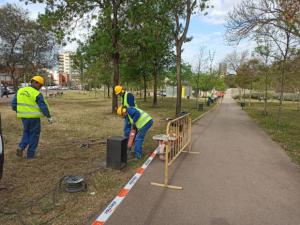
[[286, 131], [29, 190]]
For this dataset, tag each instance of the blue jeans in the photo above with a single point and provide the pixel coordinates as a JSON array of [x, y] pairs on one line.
[[31, 135], [139, 139], [127, 127]]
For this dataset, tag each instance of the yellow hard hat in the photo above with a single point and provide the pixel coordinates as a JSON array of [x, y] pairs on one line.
[[121, 110], [38, 79], [118, 89]]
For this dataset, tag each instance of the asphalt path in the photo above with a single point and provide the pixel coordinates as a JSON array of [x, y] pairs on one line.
[[240, 177]]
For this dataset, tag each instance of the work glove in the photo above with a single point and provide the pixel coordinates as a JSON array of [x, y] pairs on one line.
[[50, 120]]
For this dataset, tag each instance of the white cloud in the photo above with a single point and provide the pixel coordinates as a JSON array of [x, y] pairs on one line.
[[213, 42]]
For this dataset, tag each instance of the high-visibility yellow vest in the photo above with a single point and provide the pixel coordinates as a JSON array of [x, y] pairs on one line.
[[143, 119], [124, 100], [26, 103]]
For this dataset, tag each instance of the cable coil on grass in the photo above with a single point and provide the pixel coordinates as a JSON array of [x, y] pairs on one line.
[[73, 184]]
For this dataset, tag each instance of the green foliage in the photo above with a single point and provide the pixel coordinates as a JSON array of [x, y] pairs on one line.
[[247, 74], [93, 60], [220, 84], [207, 82], [286, 132], [148, 42], [230, 81], [186, 72]]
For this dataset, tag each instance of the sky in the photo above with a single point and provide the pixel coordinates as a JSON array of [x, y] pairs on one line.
[[207, 31]]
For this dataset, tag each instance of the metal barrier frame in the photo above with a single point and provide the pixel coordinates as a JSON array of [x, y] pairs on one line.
[[171, 140]]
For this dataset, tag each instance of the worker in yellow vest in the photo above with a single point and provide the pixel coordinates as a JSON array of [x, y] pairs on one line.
[[139, 120], [127, 100], [30, 106]]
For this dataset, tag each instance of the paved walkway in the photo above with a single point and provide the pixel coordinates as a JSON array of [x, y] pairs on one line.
[[240, 177]]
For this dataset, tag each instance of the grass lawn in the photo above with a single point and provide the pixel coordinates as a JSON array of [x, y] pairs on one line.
[[287, 131], [29, 190]]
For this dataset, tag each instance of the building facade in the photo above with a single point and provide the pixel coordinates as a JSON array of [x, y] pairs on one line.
[[66, 66], [222, 69]]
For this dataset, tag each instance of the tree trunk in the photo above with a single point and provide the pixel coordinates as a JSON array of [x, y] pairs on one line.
[[108, 92], [154, 84], [141, 93], [116, 54], [145, 88], [298, 100], [14, 78], [173, 91], [251, 86], [197, 96], [281, 89], [178, 77], [240, 94], [266, 94]]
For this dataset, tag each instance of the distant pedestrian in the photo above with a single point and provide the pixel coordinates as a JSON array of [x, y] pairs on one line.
[[30, 106], [209, 100]]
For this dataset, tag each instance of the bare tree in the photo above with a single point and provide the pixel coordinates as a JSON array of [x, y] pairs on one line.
[[234, 61], [13, 29], [272, 19], [180, 35], [293, 79], [286, 45], [182, 11], [211, 57], [24, 44], [264, 49], [202, 62], [39, 49], [251, 15]]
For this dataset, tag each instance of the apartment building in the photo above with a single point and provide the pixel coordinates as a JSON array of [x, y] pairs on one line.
[[66, 66]]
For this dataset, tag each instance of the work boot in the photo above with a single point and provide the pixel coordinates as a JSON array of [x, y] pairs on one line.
[[130, 155], [135, 159], [19, 152]]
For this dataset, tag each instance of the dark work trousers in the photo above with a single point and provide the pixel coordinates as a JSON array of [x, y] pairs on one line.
[[139, 139], [31, 135], [127, 127]]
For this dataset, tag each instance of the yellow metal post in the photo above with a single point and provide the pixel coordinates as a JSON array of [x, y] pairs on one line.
[[190, 138], [166, 163], [166, 178]]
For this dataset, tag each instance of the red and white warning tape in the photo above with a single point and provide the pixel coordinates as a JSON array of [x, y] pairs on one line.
[[108, 211]]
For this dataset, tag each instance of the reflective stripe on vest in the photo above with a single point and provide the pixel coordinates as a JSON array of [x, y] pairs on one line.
[[26, 103], [125, 102], [143, 119]]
